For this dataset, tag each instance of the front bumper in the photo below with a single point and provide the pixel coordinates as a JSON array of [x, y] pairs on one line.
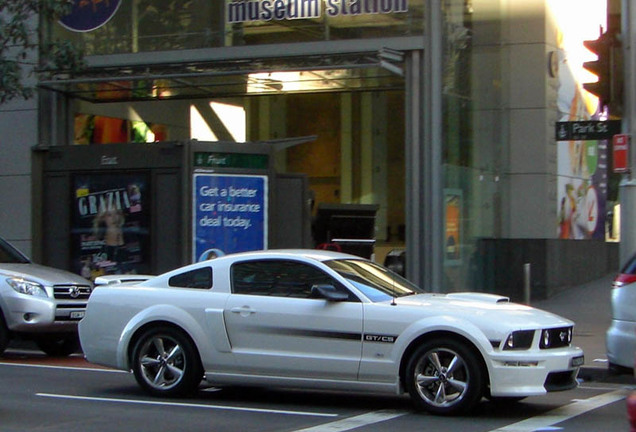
[[535, 372], [28, 314]]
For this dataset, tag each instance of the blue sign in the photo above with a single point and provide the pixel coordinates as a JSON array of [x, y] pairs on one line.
[[229, 214], [87, 15]]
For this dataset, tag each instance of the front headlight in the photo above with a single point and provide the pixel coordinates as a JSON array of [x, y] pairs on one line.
[[27, 287], [518, 340]]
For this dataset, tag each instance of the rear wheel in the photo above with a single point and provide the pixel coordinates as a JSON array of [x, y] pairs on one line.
[[444, 377], [166, 363], [58, 345]]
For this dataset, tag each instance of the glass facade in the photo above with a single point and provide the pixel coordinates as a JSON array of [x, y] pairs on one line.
[[472, 151], [165, 25]]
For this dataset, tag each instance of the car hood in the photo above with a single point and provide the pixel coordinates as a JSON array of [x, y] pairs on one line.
[[41, 274], [486, 309]]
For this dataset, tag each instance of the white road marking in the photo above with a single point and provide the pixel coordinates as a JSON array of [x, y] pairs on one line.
[[63, 367], [547, 421], [356, 422], [185, 405]]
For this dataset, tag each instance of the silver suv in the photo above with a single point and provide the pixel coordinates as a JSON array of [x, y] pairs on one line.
[[40, 303]]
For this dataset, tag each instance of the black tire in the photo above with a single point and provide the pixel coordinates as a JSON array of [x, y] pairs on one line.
[[4, 335], [615, 369], [506, 400], [444, 377], [165, 363], [58, 345]]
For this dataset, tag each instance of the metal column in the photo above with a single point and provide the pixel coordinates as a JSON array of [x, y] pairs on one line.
[[628, 185], [424, 182]]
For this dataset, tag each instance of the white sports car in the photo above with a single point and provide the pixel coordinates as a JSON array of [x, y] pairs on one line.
[[325, 320]]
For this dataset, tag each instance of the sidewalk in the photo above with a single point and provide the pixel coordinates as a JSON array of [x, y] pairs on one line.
[[588, 305]]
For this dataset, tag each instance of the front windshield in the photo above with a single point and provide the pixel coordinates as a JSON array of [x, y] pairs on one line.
[[373, 280], [10, 255]]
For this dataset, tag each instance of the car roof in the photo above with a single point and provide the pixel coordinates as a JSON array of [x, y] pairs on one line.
[[313, 254], [229, 259]]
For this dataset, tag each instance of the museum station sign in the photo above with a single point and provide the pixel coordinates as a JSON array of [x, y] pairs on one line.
[[240, 11]]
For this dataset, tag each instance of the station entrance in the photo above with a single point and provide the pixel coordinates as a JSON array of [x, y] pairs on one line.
[[152, 128]]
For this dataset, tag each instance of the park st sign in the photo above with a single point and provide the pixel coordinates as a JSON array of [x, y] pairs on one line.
[[587, 130]]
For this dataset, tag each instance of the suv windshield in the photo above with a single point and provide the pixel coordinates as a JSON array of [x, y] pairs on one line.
[[373, 280], [10, 255]]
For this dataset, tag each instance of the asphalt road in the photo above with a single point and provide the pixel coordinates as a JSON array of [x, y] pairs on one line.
[[66, 395]]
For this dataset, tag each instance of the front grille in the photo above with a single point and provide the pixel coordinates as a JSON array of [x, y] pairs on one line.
[[555, 338], [72, 292], [73, 306]]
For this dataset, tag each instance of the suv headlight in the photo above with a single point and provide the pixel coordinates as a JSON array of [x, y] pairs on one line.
[[27, 287]]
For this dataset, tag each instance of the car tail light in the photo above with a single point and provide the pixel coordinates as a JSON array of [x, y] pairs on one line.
[[624, 279]]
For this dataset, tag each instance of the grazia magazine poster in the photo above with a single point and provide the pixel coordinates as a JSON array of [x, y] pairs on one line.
[[110, 231]]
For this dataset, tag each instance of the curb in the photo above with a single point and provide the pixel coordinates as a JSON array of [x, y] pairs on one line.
[[595, 374]]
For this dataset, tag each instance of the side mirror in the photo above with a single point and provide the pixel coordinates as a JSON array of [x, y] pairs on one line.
[[329, 293]]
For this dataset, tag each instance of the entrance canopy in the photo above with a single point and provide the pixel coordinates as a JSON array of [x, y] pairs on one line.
[[361, 71]]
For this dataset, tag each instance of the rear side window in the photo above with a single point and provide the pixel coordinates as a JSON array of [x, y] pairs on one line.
[[200, 278]]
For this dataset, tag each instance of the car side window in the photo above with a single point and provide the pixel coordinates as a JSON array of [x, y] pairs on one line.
[[200, 278], [278, 278]]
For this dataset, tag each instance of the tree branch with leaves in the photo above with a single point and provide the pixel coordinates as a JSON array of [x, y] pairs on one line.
[[21, 52]]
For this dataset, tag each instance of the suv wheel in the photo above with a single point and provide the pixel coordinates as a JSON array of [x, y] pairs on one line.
[[4, 335], [58, 345]]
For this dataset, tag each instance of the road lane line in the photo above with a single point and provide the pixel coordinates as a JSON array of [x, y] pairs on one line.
[[41, 366], [566, 412], [356, 422], [185, 405]]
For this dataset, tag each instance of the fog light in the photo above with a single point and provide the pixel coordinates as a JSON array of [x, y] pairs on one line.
[[28, 317], [521, 363]]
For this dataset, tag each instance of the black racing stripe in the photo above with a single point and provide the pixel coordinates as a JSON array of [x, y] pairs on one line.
[[309, 333]]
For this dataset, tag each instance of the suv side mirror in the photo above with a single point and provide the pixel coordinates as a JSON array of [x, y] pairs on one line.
[[329, 293]]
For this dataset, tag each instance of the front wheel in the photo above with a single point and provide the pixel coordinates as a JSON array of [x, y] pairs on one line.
[[4, 335], [444, 377], [165, 363]]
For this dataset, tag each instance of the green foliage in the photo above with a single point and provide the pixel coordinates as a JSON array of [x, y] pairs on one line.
[[19, 42]]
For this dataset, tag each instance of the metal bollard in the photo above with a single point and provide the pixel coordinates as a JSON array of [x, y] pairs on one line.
[[526, 283]]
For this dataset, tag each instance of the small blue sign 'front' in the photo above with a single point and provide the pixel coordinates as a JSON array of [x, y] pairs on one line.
[[230, 214]]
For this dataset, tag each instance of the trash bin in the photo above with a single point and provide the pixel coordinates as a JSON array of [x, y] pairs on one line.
[[396, 261], [349, 226]]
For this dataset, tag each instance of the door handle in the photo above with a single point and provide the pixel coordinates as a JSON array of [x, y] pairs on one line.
[[242, 310]]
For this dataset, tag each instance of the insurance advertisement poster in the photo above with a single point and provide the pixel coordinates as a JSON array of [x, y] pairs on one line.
[[230, 214], [582, 164], [582, 168], [110, 228]]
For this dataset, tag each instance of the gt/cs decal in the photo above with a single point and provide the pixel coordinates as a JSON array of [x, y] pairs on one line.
[[379, 338]]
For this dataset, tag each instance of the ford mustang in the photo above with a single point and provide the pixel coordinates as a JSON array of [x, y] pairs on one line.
[[318, 319]]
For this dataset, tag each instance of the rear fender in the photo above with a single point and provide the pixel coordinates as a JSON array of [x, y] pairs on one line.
[[160, 314]]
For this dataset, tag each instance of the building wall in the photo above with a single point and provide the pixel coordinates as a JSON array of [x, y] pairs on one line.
[[18, 134], [530, 34]]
